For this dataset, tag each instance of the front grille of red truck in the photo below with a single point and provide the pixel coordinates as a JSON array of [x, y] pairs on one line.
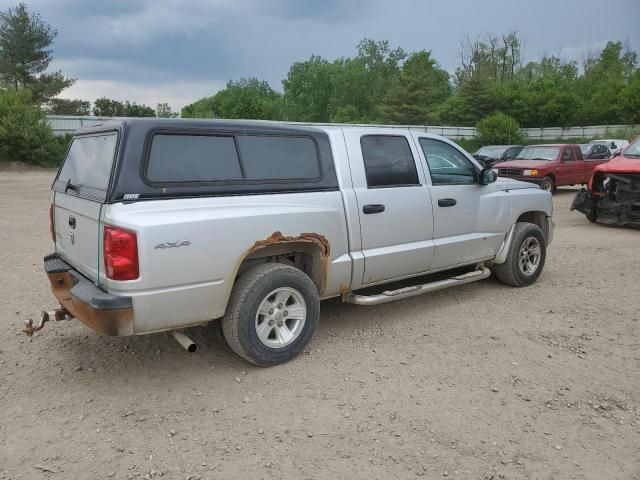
[[510, 172]]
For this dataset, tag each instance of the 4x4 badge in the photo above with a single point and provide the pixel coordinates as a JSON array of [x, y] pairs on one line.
[[183, 243]]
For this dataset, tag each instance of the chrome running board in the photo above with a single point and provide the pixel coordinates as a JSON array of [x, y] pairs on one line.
[[393, 295]]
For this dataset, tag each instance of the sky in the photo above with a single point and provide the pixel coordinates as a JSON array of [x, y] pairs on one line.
[[178, 51]]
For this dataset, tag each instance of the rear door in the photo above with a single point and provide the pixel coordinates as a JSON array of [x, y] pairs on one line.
[[79, 193], [396, 223]]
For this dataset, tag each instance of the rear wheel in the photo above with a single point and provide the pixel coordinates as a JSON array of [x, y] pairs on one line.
[[272, 314], [526, 257], [548, 184]]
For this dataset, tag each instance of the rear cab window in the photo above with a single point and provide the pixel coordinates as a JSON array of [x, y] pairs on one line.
[[567, 154], [86, 170]]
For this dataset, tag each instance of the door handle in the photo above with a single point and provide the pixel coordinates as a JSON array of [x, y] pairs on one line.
[[72, 221], [447, 202], [373, 208]]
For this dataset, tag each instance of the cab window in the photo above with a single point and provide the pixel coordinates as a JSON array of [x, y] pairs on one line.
[[567, 154], [388, 161], [447, 165]]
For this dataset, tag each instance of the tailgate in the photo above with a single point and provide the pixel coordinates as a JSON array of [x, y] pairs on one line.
[[80, 192], [77, 233]]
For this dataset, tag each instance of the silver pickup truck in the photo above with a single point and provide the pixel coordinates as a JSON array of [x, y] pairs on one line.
[[164, 224]]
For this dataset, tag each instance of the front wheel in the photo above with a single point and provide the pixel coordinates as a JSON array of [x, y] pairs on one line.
[[526, 257], [548, 184], [272, 314]]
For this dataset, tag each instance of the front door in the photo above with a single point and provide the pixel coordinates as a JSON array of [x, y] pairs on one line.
[[568, 171], [394, 206], [470, 219]]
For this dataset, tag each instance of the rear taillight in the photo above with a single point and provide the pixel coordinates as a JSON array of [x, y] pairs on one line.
[[120, 253], [52, 228]]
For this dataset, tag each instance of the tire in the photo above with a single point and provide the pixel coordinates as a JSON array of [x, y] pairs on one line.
[[548, 184], [513, 271], [257, 324], [591, 214]]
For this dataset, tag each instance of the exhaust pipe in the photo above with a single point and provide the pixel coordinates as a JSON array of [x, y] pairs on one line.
[[184, 341]]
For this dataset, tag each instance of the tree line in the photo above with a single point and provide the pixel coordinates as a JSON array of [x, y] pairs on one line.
[[387, 85]]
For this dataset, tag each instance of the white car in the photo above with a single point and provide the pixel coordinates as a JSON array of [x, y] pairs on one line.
[[614, 145], [163, 224]]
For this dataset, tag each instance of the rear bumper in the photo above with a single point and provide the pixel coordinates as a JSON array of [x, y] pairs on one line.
[[97, 309]]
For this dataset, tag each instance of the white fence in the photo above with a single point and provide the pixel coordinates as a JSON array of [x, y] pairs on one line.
[[62, 124]]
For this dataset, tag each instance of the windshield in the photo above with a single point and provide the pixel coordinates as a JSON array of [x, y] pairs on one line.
[[538, 153], [633, 150], [491, 151], [585, 148]]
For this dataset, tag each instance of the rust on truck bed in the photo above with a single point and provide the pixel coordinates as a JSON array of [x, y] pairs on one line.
[[278, 237], [314, 239]]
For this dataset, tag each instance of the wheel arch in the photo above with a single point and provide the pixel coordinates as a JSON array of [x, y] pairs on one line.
[[535, 217], [308, 252]]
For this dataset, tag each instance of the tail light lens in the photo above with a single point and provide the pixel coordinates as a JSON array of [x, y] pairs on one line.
[[120, 253], [52, 228]]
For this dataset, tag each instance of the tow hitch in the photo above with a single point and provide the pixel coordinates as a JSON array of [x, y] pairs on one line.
[[56, 315]]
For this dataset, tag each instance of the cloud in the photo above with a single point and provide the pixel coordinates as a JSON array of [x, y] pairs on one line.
[[176, 94]]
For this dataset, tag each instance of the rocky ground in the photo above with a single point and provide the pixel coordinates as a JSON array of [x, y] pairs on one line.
[[479, 382]]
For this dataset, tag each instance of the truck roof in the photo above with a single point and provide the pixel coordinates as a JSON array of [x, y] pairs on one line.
[[152, 122]]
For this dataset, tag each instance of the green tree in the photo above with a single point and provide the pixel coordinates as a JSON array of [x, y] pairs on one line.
[[486, 65], [106, 107], [545, 94], [629, 100], [499, 129], [25, 54], [308, 90], [132, 109], [604, 78], [245, 99], [203, 108], [415, 94], [24, 134], [63, 106], [249, 99], [360, 83], [163, 110]]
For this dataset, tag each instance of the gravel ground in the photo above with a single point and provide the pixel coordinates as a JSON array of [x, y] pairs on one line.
[[478, 382]]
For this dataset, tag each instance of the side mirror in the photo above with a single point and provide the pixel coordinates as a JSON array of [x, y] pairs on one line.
[[487, 176]]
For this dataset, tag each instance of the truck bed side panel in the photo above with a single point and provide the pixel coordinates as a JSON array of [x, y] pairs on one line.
[[191, 249]]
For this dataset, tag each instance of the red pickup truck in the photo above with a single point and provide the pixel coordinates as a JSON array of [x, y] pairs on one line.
[[549, 166]]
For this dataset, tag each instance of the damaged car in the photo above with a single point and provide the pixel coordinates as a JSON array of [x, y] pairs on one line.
[[612, 195]]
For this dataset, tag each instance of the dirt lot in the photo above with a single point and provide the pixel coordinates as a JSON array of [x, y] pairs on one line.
[[478, 382]]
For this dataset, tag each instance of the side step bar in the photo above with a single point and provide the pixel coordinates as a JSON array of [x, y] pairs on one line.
[[392, 295]]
